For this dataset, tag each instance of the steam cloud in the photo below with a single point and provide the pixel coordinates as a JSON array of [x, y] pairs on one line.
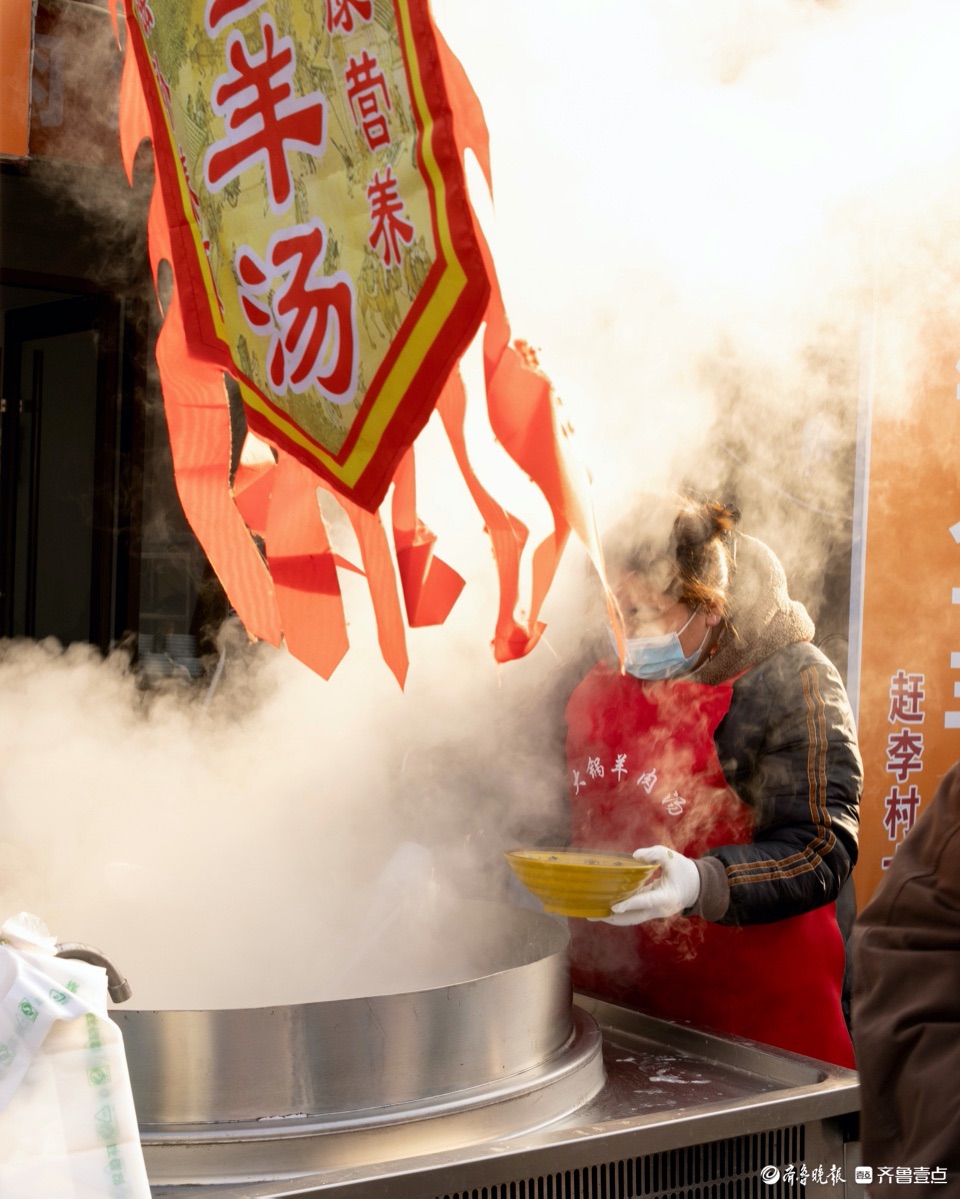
[[290, 840], [709, 219]]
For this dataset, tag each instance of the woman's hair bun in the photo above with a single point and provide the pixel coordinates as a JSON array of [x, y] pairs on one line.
[[704, 519], [727, 514]]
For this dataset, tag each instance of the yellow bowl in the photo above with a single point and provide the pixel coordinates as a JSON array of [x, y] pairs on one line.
[[578, 882]]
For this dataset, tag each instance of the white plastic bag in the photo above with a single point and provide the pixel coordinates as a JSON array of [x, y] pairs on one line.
[[68, 1129]]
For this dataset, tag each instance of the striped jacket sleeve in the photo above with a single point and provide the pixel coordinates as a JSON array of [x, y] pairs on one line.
[[788, 748]]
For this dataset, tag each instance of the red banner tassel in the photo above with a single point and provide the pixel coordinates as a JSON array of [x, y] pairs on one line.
[[303, 570], [198, 418], [134, 117], [198, 421], [382, 581], [523, 409], [469, 124], [252, 488], [508, 535], [430, 586]]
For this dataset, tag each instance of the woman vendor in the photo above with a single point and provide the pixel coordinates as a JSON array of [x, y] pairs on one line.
[[725, 752]]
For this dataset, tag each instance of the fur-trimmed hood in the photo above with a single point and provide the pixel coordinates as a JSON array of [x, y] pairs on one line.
[[762, 617]]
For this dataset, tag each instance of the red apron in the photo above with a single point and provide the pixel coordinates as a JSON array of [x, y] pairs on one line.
[[644, 771]]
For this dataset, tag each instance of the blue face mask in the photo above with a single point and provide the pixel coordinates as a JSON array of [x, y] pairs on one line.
[[658, 657]]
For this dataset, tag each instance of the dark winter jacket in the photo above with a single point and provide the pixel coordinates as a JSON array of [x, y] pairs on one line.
[[788, 748], [906, 1001]]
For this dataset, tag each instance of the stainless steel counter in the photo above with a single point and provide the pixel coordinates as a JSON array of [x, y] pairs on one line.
[[681, 1113]]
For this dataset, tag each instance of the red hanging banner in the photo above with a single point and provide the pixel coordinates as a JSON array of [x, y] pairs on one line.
[[312, 202], [322, 239]]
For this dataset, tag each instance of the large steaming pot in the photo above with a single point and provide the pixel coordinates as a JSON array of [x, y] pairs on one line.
[[276, 1091]]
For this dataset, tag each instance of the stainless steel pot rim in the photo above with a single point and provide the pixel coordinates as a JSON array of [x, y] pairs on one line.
[[341, 1058], [559, 936], [581, 1052]]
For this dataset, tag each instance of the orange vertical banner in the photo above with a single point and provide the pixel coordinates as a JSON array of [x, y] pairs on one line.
[[909, 680], [16, 63]]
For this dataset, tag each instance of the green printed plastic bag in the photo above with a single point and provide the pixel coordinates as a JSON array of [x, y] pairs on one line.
[[68, 1129]]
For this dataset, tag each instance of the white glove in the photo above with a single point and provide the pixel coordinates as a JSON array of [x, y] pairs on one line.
[[676, 889]]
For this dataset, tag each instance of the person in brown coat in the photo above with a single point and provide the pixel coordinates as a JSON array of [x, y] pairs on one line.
[[906, 1002]]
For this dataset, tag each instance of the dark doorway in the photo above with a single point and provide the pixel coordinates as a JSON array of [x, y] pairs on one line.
[[59, 480]]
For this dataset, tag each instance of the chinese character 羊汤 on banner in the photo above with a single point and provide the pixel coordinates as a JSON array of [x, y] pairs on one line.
[[325, 235]]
